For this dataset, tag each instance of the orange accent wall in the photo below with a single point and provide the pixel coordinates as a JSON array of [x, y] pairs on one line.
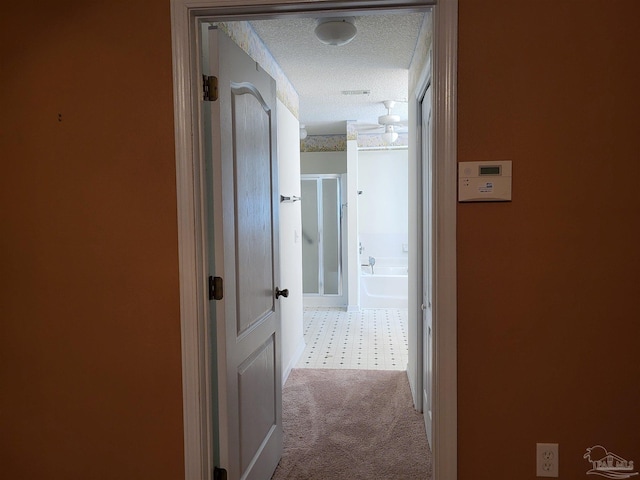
[[90, 366], [549, 318]]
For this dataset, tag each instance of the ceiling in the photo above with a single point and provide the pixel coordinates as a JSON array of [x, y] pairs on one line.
[[377, 59]]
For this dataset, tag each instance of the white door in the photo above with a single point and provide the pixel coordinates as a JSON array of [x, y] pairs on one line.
[[243, 213], [428, 265]]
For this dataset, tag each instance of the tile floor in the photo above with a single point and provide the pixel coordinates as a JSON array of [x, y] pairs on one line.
[[372, 339]]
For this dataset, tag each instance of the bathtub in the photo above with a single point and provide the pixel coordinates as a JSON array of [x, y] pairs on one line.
[[387, 286]]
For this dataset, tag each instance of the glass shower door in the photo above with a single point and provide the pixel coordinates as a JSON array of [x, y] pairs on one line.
[[321, 232], [310, 236]]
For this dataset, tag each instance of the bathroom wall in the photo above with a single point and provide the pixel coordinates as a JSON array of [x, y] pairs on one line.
[[384, 203], [290, 238], [323, 162]]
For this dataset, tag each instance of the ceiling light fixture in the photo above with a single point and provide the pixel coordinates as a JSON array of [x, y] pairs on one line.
[[303, 132], [336, 31], [389, 136]]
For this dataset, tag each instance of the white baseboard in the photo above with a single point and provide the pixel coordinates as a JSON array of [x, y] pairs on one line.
[[294, 360], [324, 301], [353, 308]]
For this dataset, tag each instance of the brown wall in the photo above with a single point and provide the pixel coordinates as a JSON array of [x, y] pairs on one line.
[[549, 318], [90, 368]]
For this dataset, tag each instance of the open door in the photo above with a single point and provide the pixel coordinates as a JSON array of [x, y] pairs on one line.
[[428, 262], [243, 260]]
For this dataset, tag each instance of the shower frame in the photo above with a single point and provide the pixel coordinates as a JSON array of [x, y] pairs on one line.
[[319, 178]]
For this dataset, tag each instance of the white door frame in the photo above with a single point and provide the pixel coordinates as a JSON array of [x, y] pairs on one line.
[[417, 97], [196, 384]]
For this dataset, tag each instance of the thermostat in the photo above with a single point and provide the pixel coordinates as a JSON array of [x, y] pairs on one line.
[[484, 181]]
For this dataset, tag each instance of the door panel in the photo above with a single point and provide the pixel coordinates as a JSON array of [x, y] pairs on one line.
[[252, 180], [244, 216], [257, 391]]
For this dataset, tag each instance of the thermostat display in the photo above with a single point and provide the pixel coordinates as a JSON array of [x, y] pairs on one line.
[[484, 181], [490, 170]]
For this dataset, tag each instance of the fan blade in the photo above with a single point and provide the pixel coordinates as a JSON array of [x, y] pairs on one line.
[[368, 127], [400, 123]]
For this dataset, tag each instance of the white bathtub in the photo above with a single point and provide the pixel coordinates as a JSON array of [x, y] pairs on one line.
[[387, 286]]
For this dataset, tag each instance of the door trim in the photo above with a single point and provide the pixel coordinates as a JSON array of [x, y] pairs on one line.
[[198, 443], [423, 85], [445, 354]]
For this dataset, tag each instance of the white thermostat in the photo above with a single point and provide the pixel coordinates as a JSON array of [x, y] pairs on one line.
[[484, 181]]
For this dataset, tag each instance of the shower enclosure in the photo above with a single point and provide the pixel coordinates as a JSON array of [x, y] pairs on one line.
[[322, 239]]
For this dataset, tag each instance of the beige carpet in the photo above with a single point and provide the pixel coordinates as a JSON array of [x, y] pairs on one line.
[[351, 424]]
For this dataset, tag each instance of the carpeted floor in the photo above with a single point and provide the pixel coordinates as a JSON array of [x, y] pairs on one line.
[[351, 424]]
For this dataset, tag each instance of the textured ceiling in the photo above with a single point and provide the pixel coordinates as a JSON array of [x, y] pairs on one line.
[[377, 59]]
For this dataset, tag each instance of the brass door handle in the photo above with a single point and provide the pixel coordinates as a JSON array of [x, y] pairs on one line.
[[282, 293]]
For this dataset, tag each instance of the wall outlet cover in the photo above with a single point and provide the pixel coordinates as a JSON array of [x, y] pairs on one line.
[[547, 459]]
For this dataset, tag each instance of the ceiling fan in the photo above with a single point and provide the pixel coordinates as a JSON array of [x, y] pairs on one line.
[[388, 124]]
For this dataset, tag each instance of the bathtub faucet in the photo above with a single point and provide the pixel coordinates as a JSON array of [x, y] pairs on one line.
[[372, 262]]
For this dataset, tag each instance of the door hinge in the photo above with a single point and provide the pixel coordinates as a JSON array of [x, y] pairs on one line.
[[216, 290], [209, 88], [219, 473]]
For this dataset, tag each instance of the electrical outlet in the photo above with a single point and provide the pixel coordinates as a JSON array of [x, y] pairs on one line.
[[547, 459]]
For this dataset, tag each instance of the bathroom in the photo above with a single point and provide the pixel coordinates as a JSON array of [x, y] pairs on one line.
[[354, 222], [382, 228]]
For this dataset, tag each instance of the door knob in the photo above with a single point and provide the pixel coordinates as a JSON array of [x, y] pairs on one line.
[[282, 293]]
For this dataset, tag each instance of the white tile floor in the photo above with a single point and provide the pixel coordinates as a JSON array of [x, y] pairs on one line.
[[372, 339]]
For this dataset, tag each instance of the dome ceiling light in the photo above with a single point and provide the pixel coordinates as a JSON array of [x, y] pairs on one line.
[[336, 31]]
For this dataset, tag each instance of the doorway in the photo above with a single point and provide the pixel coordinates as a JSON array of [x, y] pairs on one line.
[[198, 436], [373, 335], [383, 228]]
